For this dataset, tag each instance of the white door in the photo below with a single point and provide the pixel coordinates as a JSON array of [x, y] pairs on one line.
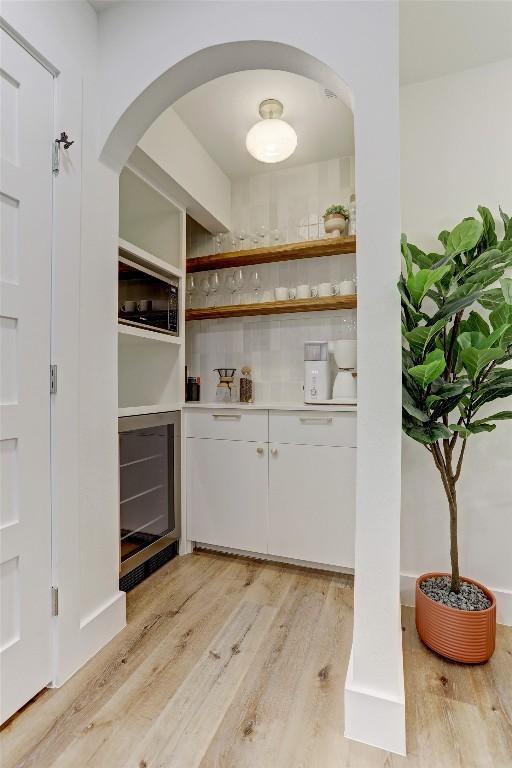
[[26, 108], [312, 503], [227, 488]]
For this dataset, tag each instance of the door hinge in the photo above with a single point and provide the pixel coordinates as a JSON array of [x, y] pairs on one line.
[[53, 379], [55, 601]]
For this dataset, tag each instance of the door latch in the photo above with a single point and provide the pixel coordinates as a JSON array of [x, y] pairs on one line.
[[65, 141]]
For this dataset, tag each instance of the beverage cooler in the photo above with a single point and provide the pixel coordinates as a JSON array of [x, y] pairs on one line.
[[149, 482]]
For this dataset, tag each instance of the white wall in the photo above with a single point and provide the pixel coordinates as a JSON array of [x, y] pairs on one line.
[[85, 533], [175, 149], [456, 154], [356, 55]]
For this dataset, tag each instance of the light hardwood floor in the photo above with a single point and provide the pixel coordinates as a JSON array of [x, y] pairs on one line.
[[232, 663]]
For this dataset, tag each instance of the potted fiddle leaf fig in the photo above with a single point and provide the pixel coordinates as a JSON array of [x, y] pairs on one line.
[[456, 350]]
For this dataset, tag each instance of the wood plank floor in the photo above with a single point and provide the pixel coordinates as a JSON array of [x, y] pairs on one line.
[[232, 663]]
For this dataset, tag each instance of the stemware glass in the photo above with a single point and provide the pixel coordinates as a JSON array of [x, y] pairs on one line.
[[255, 285], [213, 284], [262, 234], [238, 284], [191, 289], [242, 235], [218, 243], [205, 290], [255, 240], [275, 236]]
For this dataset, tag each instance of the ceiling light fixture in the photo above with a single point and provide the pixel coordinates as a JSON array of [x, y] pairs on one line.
[[272, 139]]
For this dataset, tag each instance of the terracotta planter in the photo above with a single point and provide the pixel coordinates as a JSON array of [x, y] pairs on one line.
[[465, 636]]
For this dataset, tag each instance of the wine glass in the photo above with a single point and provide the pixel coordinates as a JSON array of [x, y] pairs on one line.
[[262, 233], [275, 236], [205, 290], [255, 285], [218, 243], [191, 288], [255, 240], [213, 284], [238, 284], [242, 235]]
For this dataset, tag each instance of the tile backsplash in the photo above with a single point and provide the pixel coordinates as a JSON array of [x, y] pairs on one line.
[[292, 201]]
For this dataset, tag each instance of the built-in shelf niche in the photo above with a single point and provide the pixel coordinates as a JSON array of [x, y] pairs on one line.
[[149, 220], [150, 371]]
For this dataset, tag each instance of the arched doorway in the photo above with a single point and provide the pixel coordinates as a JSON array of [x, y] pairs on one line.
[[375, 673]]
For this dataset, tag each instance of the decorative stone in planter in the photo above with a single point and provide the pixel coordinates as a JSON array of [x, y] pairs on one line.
[[334, 224], [468, 636]]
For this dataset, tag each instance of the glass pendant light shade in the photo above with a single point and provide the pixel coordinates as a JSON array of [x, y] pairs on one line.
[[272, 139]]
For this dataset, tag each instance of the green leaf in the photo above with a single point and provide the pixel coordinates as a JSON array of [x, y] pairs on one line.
[[475, 322], [491, 299], [443, 237], [505, 217], [430, 370], [455, 305], [420, 338], [492, 391], [500, 416], [508, 230], [502, 315], [506, 287], [489, 226], [409, 406], [464, 236], [475, 360], [421, 259], [481, 427], [499, 336], [460, 429], [422, 281], [472, 339], [429, 433]]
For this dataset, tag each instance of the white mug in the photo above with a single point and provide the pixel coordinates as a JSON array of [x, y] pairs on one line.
[[129, 306], [303, 291], [281, 293], [269, 295], [346, 288], [326, 289]]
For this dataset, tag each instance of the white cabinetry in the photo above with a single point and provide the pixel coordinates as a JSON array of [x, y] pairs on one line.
[[227, 492], [292, 497], [311, 503]]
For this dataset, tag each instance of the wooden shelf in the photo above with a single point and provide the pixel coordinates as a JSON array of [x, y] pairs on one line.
[[309, 249], [273, 307]]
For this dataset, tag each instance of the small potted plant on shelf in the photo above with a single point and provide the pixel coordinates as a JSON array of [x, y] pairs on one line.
[[335, 220], [454, 366]]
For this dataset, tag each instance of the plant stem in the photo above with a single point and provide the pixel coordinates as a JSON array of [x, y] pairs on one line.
[[449, 481]]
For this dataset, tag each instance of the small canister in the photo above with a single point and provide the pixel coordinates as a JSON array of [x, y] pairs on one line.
[[246, 385]]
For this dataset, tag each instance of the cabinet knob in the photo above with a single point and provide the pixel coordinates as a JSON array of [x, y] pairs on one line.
[[273, 451], [259, 450]]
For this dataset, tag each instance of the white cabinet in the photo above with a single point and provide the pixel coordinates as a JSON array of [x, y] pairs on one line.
[[293, 497], [227, 492], [312, 503]]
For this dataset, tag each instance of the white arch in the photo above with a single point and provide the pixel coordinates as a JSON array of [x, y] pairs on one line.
[[361, 67], [202, 67]]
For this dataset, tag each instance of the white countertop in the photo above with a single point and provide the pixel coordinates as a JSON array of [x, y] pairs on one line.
[[264, 406], [138, 410]]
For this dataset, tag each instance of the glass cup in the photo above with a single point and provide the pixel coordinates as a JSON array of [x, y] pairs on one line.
[[255, 286], [214, 284], [191, 289]]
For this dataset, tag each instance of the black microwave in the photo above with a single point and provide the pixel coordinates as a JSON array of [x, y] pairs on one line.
[[147, 299]]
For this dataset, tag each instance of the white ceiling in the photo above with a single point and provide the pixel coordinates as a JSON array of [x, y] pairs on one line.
[[439, 38], [221, 112]]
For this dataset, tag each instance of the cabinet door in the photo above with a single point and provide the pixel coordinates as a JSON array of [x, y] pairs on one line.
[[227, 493], [312, 503]]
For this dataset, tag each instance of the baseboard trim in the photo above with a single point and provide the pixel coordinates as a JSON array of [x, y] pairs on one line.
[[503, 597], [274, 558], [100, 627], [372, 718]]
